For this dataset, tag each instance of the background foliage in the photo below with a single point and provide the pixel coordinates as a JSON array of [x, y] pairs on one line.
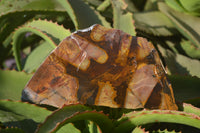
[[31, 29]]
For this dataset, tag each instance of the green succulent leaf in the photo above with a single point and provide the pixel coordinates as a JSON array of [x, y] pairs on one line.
[[59, 116], [188, 25], [16, 5], [180, 64], [19, 35], [132, 7], [103, 5], [191, 109], [14, 13], [7, 19], [10, 119], [49, 31], [190, 49], [154, 22], [31, 111], [37, 56], [66, 5], [11, 84], [165, 131], [7, 27], [68, 128], [172, 45], [72, 113], [175, 4], [131, 120], [92, 127], [50, 28], [193, 7], [187, 91], [94, 2], [82, 14], [22, 115], [11, 130], [101, 119], [121, 20], [139, 130]]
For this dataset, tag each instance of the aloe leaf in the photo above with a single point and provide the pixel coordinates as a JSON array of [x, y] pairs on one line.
[[150, 6], [6, 31], [51, 32], [11, 83], [103, 5], [175, 4], [93, 128], [72, 113], [102, 120], [36, 57], [94, 2], [6, 19], [139, 130], [53, 29], [22, 16], [82, 15], [66, 5], [131, 6], [192, 7], [43, 5], [12, 130], [8, 27], [68, 128], [140, 5], [10, 119], [13, 5], [190, 49], [23, 11], [131, 120], [185, 87], [154, 22], [165, 131], [31, 111], [180, 64], [188, 25], [22, 115], [172, 45], [122, 21], [17, 37], [191, 109], [5, 49], [59, 116]]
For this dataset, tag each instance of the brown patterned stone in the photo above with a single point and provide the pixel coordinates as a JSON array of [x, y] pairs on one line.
[[101, 66]]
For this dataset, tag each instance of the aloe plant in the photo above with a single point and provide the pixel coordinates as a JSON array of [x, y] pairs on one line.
[[30, 30]]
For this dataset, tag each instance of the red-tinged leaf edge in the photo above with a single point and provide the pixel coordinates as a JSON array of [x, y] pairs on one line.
[[99, 118], [131, 120], [72, 113], [139, 130], [188, 108], [11, 130], [19, 34]]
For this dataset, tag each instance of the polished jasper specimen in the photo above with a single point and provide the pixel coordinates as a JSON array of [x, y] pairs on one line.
[[104, 67]]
